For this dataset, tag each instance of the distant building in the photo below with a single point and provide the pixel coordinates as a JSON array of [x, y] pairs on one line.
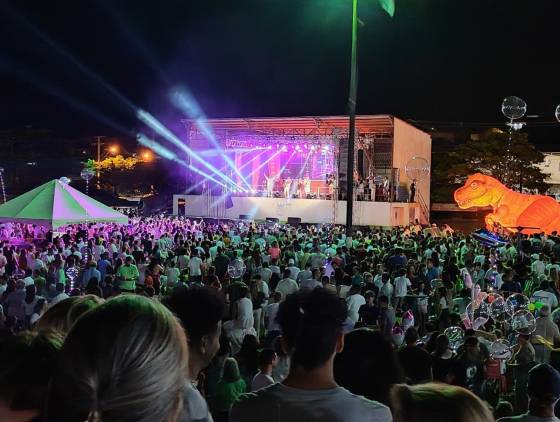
[[551, 166]]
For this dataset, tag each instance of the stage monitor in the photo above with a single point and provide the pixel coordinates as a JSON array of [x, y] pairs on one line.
[[294, 221], [245, 217], [272, 220]]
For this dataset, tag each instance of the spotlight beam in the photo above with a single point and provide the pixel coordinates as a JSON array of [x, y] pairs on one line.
[[158, 127], [264, 163], [186, 102], [170, 155]]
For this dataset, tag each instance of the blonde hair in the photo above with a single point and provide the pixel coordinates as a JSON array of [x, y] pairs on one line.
[[435, 402]]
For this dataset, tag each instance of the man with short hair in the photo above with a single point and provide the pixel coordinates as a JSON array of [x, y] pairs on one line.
[[287, 286], [416, 362], [200, 310], [267, 361], [312, 335], [543, 390], [128, 274]]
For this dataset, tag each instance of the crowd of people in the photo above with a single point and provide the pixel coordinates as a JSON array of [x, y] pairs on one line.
[[177, 320]]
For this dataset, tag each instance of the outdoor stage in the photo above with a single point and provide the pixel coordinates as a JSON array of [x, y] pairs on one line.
[[309, 210]]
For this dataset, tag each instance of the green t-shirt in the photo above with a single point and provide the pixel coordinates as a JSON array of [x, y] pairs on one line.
[[129, 275], [227, 393]]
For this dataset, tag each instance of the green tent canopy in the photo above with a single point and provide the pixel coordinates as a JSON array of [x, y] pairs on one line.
[[57, 204]]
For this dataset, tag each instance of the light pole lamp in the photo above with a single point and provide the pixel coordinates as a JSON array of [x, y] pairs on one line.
[[352, 120], [389, 7]]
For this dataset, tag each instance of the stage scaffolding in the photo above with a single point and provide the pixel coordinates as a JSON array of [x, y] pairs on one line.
[[374, 155]]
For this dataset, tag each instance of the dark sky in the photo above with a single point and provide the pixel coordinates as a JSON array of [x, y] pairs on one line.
[[436, 60]]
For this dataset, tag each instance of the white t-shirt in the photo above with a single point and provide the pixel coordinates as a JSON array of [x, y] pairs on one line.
[[353, 303], [281, 403], [244, 318], [401, 286], [271, 312], [546, 298], [195, 264], [386, 290], [261, 381], [287, 286]]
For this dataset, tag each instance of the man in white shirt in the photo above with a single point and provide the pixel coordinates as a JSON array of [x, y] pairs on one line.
[[294, 270], [266, 272], [402, 283], [60, 295], [544, 296], [305, 274], [267, 361], [353, 302], [195, 267], [312, 335], [314, 281], [287, 286], [387, 288]]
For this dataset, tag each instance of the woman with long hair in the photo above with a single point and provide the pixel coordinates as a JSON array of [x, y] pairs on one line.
[[125, 360]]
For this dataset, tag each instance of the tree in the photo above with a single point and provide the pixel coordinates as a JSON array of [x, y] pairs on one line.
[[514, 164]]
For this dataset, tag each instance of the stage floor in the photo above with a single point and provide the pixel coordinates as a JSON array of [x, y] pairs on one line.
[[309, 210]]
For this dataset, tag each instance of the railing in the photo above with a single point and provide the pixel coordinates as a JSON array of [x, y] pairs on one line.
[[423, 206]]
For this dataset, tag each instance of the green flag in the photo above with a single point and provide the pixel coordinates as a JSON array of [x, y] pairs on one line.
[[388, 6]]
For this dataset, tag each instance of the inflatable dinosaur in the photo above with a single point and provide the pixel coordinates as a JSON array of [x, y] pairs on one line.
[[511, 209]]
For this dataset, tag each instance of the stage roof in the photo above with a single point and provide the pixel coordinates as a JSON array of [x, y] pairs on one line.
[[307, 125]]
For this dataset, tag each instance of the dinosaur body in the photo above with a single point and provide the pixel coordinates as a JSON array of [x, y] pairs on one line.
[[510, 209]]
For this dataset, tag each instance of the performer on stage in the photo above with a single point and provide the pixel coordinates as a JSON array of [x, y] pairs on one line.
[[300, 188], [386, 189], [287, 187], [413, 191], [307, 186], [270, 180]]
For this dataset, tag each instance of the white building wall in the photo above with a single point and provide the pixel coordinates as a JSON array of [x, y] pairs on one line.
[[409, 142]]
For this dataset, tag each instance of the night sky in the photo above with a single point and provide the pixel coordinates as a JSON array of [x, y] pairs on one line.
[[447, 61]]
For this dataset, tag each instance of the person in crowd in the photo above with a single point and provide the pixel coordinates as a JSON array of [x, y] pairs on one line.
[[415, 360], [379, 367], [544, 391], [287, 286], [387, 317], [369, 312], [27, 363], [142, 381], [203, 338], [267, 360], [228, 390], [434, 402], [311, 324], [545, 329], [354, 301]]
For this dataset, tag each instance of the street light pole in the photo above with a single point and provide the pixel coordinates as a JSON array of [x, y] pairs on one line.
[[352, 120], [98, 161]]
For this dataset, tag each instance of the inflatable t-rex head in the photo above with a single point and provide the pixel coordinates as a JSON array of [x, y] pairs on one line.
[[479, 190]]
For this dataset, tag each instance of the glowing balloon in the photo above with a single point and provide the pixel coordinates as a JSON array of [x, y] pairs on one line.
[[501, 310], [500, 349], [236, 268], [557, 113], [523, 322], [407, 320], [518, 301], [72, 272], [455, 335], [531, 307], [397, 336], [514, 108], [478, 312], [417, 168], [65, 180], [87, 173]]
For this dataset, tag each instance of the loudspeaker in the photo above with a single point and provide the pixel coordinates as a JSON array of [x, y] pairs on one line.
[[294, 221], [272, 220], [244, 217]]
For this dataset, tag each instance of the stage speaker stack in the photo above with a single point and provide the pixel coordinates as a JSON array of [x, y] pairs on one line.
[[272, 220], [294, 221]]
